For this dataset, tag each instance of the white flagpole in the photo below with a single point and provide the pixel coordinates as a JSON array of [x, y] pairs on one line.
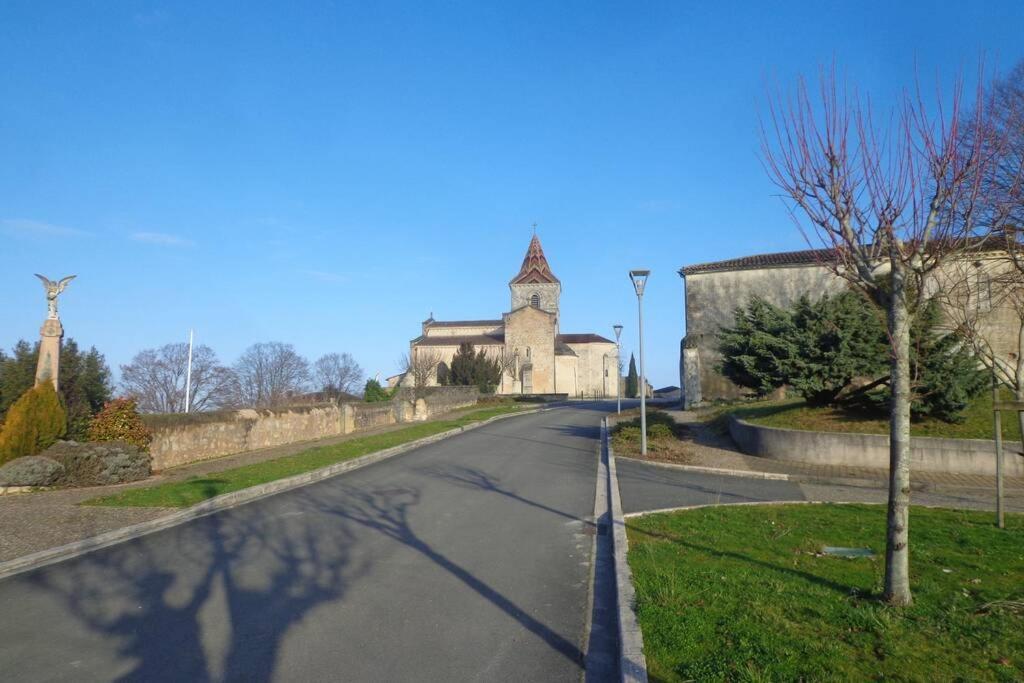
[[188, 374]]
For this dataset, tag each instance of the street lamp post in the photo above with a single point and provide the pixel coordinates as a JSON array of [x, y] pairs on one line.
[[639, 278], [618, 357]]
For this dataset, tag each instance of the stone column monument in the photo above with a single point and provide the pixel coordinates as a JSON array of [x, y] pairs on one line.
[[48, 367]]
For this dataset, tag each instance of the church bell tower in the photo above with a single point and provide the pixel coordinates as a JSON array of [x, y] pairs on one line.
[[536, 285]]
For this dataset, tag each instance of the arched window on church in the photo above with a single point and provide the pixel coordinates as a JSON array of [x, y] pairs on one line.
[[535, 300], [528, 352]]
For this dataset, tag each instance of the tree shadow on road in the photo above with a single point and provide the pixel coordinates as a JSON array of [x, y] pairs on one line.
[[387, 511], [476, 479], [210, 600], [215, 599]]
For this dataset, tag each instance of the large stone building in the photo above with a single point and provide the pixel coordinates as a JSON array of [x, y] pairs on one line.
[[713, 291], [537, 357]]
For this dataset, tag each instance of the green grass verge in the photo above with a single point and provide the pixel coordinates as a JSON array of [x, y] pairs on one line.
[[743, 594], [197, 489], [795, 414]]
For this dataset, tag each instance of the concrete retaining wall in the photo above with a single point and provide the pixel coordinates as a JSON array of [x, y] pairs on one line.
[[181, 439], [961, 456]]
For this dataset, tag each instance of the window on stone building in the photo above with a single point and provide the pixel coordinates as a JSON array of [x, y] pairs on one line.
[[527, 353], [535, 300]]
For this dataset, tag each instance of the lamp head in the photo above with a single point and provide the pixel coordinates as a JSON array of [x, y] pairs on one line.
[[618, 332], [639, 278]]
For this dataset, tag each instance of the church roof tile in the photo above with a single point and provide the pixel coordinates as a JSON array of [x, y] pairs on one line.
[[463, 323], [536, 269], [586, 338], [456, 340]]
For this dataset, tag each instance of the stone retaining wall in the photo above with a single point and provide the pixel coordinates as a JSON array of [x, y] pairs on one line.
[[181, 439], [960, 456]]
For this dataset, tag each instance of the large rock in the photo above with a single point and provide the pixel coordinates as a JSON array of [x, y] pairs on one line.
[[31, 470], [99, 463]]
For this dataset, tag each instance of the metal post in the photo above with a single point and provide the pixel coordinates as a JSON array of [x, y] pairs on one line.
[[639, 278], [618, 358], [188, 375], [1000, 521], [643, 378]]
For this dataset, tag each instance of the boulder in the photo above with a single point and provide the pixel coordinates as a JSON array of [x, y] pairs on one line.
[[99, 463], [31, 470]]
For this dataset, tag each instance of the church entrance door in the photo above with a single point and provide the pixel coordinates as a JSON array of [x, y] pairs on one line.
[[528, 379]]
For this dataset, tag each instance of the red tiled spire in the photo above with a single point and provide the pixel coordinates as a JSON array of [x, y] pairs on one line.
[[535, 267]]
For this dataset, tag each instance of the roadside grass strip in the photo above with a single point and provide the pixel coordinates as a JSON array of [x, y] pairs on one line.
[[197, 489], [748, 594]]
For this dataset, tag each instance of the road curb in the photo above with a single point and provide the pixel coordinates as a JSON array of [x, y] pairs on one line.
[[856, 482], [632, 663], [227, 501]]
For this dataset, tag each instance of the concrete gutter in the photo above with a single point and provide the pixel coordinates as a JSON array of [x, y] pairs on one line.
[[226, 501], [632, 663]]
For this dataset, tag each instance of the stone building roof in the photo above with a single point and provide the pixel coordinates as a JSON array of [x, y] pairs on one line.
[[807, 257], [535, 268], [810, 257], [455, 340], [586, 338], [463, 323]]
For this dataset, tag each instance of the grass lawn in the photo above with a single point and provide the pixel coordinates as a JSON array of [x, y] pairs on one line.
[[197, 489], [743, 593], [795, 414]]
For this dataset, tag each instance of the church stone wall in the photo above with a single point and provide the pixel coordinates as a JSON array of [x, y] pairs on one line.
[[548, 293], [533, 329], [467, 331], [593, 360], [565, 375]]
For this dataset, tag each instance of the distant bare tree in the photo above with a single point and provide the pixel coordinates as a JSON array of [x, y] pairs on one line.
[[156, 379], [337, 373], [891, 203], [421, 368], [509, 365], [269, 374]]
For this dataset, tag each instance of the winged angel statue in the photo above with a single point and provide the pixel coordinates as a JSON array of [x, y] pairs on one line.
[[52, 290]]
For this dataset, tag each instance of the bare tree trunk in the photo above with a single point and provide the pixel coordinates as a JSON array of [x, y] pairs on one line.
[[897, 549], [1019, 376]]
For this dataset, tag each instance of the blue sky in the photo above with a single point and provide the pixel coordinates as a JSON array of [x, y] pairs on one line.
[[327, 174]]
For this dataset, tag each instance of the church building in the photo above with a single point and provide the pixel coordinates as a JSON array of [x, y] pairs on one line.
[[536, 357]]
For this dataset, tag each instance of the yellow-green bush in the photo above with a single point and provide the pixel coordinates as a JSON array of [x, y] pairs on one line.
[[34, 422]]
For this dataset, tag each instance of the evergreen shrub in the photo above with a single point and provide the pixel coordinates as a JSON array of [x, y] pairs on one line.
[[33, 422]]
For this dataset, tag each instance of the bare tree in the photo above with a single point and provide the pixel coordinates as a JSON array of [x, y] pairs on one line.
[[890, 203], [421, 367], [337, 373], [156, 379], [269, 374], [985, 296], [509, 365]]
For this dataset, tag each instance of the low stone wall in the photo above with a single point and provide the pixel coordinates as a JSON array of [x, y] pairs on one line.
[[181, 439], [961, 456]]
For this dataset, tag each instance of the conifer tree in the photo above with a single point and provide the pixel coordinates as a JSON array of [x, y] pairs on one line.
[[632, 379], [756, 350], [33, 423]]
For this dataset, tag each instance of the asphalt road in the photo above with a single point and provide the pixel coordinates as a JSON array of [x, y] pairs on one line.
[[467, 559], [649, 487]]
